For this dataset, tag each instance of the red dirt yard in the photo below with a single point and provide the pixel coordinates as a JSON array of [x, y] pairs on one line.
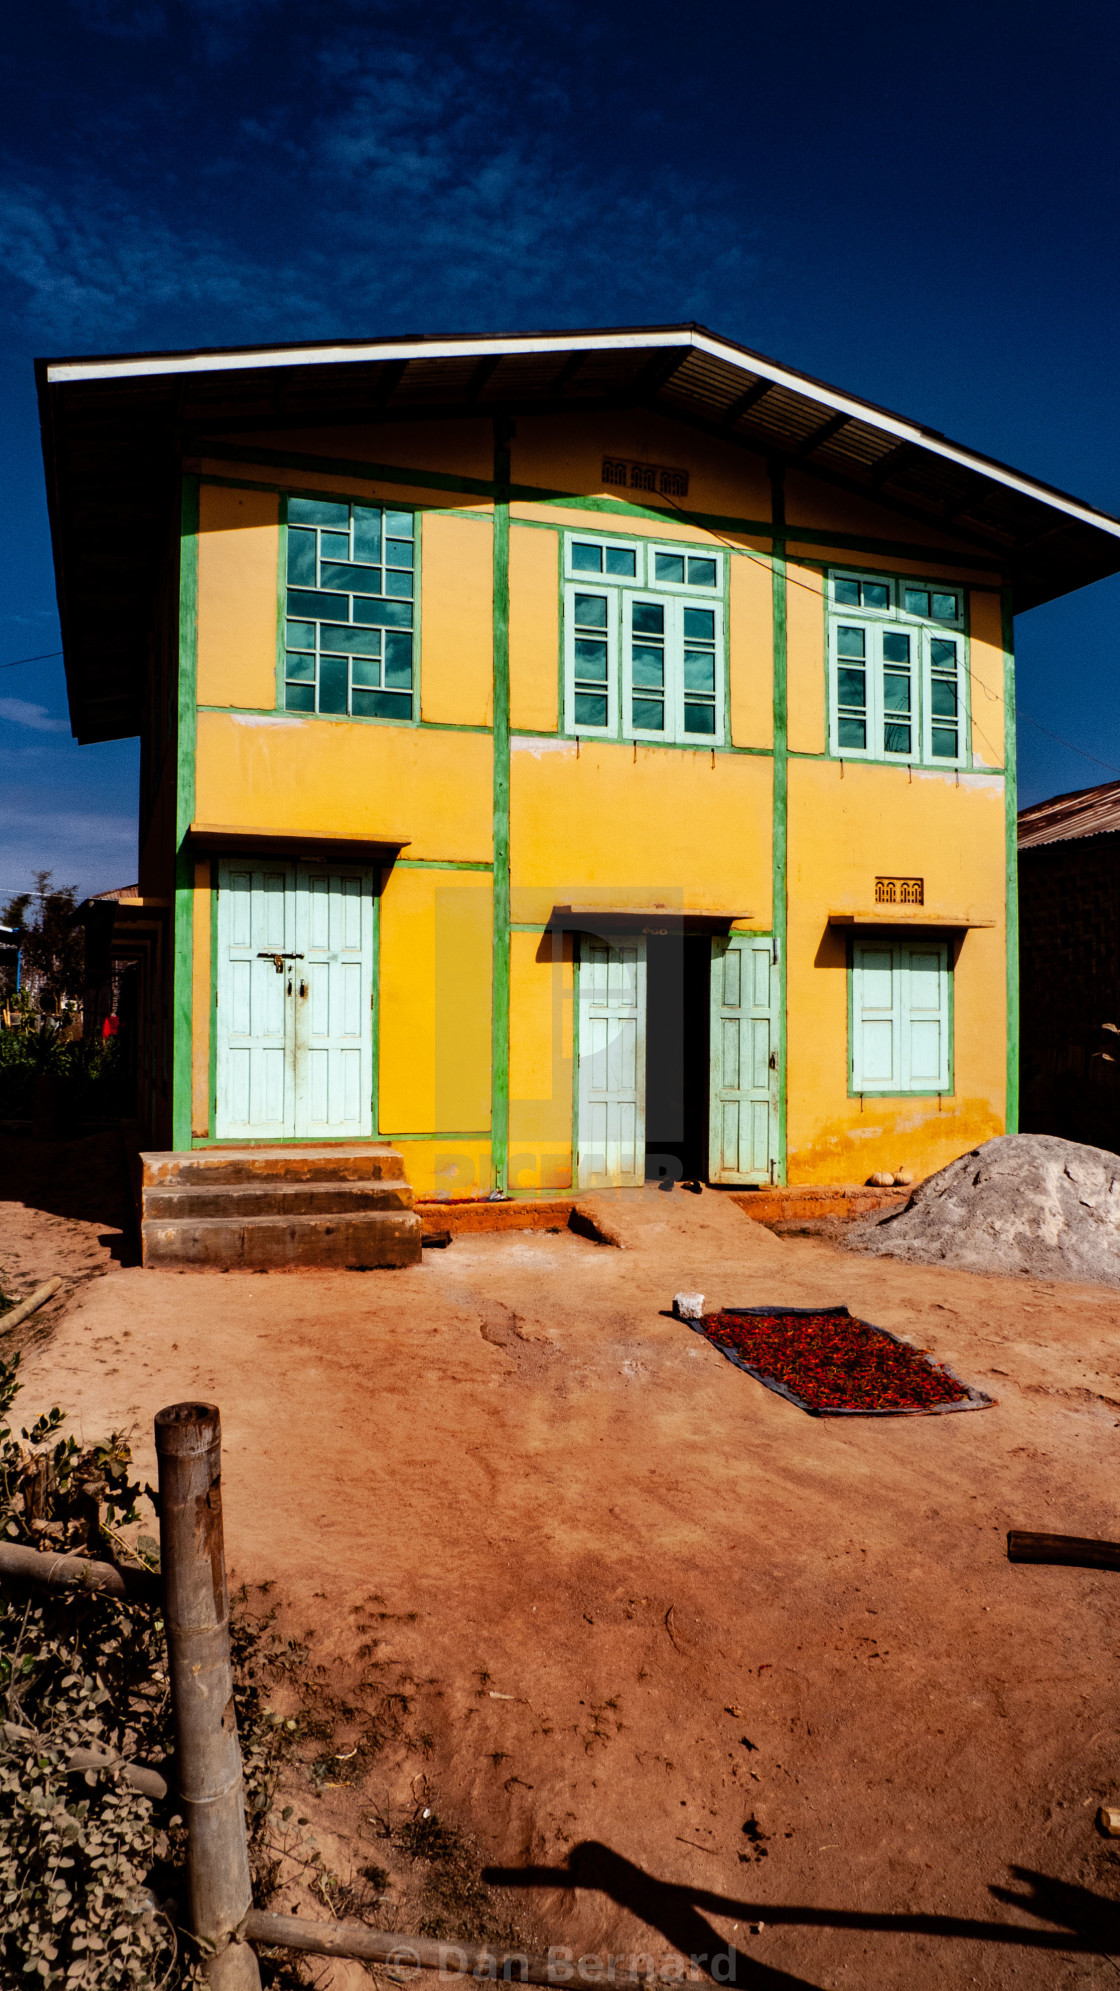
[[694, 1659]]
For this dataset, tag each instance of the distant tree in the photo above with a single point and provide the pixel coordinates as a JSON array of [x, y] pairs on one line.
[[51, 940]]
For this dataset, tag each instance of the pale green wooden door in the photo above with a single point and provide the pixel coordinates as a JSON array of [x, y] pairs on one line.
[[334, 983], [294, 1010], [743, 1117], [256, 1081], [612, 1064]]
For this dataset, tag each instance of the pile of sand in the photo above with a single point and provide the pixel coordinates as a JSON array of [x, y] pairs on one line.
[[1025, 1203]]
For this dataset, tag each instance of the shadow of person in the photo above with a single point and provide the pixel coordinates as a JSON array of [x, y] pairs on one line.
[[1084, 1923], [663, 1905], [1094, 1917]]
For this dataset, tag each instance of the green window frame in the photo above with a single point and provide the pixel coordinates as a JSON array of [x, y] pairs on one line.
[[644, 641], [900, 1017], [350, 610], [898, 670]]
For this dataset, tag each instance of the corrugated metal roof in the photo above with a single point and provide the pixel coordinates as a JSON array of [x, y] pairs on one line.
[[116, 428], [1084, 812]]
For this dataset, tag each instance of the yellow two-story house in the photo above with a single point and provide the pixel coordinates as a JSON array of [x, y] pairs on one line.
[[571, 758]]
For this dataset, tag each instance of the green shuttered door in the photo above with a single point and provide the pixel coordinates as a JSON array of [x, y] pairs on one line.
[[612, 1063], [743, 1136], [900, 1017]]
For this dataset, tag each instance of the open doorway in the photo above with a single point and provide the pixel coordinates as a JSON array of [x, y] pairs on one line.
[[678, 1007]]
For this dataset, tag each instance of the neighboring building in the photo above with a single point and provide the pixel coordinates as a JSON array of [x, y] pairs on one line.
[[563, 756], [1069, 964]]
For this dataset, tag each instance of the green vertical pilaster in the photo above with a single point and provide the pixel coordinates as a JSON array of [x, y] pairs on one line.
[[1011, 830], [781, 791], [499, 1010], [185, 730]]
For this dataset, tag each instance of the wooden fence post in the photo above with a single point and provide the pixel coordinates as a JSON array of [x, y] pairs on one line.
[[208, 1754]]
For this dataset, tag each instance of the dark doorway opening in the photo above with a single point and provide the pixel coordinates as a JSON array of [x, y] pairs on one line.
[[678, 996]]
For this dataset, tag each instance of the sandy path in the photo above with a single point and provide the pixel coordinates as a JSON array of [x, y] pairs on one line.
[[597, 1517]]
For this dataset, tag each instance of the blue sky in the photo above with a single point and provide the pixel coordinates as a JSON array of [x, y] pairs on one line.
[[917, 204]]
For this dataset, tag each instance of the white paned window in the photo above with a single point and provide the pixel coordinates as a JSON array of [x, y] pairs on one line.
[[644, 641], [897, 676], [900, 1021]]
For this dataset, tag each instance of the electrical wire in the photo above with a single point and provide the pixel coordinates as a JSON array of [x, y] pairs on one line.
[[41, 658], [1110, 765]]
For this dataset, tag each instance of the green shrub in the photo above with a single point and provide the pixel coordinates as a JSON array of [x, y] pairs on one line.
[[90, 1080]]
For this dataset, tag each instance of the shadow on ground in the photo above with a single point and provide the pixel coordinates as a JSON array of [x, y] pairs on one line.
[[1087, 1923], [85, 1179]]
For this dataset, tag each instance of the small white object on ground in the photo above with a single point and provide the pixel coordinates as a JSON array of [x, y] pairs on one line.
[[688, 1306], [1108, 1818]]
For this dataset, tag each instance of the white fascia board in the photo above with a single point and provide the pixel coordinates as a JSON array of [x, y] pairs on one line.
[[62, 372], [896, 425]]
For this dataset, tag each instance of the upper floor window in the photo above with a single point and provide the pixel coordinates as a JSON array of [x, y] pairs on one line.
[[898, 681], [349, 632], [644, 640]]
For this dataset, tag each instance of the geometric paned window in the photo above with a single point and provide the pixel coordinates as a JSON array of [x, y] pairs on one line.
[[644, 641], [897, 678], [349, 632], [900, 1017]]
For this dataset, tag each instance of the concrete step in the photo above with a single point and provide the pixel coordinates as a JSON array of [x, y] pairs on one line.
[[370, 1240], [177, 1202], [365, 1161]]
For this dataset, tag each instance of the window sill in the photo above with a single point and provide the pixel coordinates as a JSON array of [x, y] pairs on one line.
[[888, 915], [855, 1093]]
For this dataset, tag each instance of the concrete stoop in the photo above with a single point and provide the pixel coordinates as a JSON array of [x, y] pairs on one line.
[[259, 1208]]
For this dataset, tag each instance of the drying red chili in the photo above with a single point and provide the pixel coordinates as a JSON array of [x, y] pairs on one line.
[[832, 1361]]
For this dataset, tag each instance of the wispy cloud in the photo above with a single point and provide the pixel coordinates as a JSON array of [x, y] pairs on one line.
[[92, 851], [92, 266], [413, 183], [20, 712]]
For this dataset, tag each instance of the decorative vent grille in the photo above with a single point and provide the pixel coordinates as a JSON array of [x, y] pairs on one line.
[[645, 476], [900, 891]]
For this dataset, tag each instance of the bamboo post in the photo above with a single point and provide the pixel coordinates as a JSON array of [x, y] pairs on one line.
[[208, 1754]]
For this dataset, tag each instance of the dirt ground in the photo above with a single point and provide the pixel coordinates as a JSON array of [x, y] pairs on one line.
[[686, 1660]]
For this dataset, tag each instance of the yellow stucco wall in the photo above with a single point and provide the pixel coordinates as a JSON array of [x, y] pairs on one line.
[[565, 453], [540, 1061], [444, 1167], [435, 973], [812, 502], [338, 777], [843, 830], [238, 555], [534, 628], [805, 669], [985, 662], [461, 447], [623, 825], [457, 619], [750, 650]]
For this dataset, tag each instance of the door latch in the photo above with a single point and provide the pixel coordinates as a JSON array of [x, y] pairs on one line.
[[773, 1061], [277, 960]]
